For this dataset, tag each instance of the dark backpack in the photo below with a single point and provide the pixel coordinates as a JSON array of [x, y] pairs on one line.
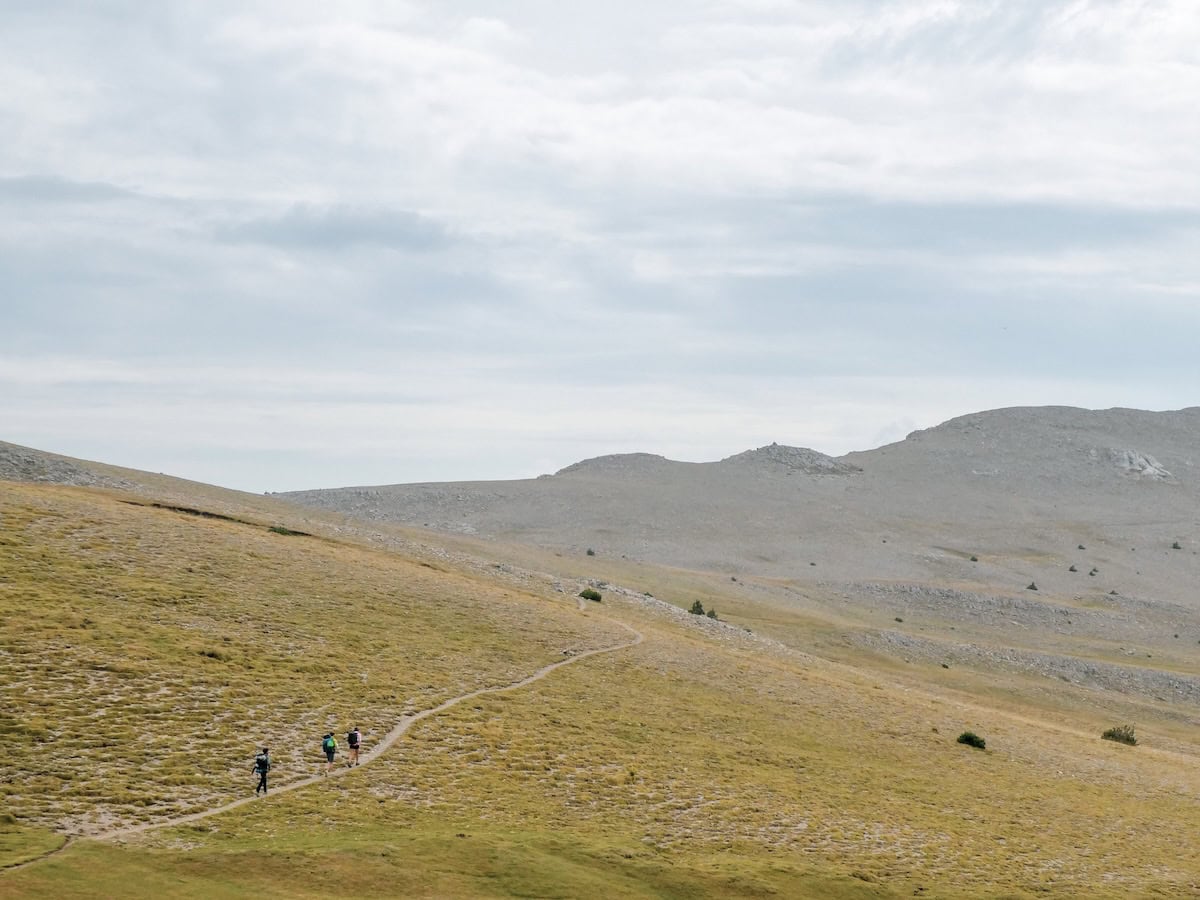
[[352, 739], [262, 763]]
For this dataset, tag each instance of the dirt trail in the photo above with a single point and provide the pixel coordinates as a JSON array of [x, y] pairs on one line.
[[375, 752]]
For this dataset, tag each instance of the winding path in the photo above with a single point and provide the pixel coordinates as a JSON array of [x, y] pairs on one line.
[[381, 747]]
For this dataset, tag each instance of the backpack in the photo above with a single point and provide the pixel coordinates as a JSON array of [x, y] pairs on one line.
[[262, 763], [352, 738], [329, 743]]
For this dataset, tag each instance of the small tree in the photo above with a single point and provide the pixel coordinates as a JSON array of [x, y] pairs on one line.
[[971, 739], [712, 613], [697, 608], [591, 594], [1122, 734]]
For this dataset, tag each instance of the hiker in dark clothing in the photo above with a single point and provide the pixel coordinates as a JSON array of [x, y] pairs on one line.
[[262, 765], [354, 741]]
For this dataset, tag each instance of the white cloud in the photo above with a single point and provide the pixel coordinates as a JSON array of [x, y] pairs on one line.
[[669, 227]]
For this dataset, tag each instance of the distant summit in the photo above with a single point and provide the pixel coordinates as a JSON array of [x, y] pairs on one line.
[[792, 459], [615, 463], [1059, 442], [772, 458]]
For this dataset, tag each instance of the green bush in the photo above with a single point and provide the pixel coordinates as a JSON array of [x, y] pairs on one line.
[[1122, 734], [697, 608], [971, 739], [591, 552], [712, 613], [591, 594]]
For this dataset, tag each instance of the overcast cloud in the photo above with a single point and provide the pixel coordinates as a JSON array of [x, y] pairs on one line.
[[276, 245]]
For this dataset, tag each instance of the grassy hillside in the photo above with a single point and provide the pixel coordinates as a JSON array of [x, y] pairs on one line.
[[145, 652]]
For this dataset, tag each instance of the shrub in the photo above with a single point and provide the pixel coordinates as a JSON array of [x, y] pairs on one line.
[[1032, 586], [697, 608], [1072, 569], [591, 552], [1176, 546], [974, 559], [971, 739], [712, 613], [1122, 734], [591, 594]]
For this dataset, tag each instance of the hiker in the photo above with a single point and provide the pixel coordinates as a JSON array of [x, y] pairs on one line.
[[262, 765], [329, 745], [353, 740]]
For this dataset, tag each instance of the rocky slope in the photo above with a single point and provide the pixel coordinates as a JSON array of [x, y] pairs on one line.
[[1020, 489]]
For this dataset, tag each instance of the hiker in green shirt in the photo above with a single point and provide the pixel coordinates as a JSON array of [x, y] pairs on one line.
[[330, 745]]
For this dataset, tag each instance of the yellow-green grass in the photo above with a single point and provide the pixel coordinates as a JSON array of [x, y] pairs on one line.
[[432, 859], [145, 654], [701, 763], [686, 768], [22, 843]]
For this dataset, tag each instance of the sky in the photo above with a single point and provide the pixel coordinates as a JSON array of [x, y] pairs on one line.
[[296, 244]]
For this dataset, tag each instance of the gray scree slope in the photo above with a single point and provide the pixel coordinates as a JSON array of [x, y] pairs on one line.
[[1019, 488]]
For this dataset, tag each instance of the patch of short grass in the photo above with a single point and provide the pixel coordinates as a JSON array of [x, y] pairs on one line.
[[19, 843]]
